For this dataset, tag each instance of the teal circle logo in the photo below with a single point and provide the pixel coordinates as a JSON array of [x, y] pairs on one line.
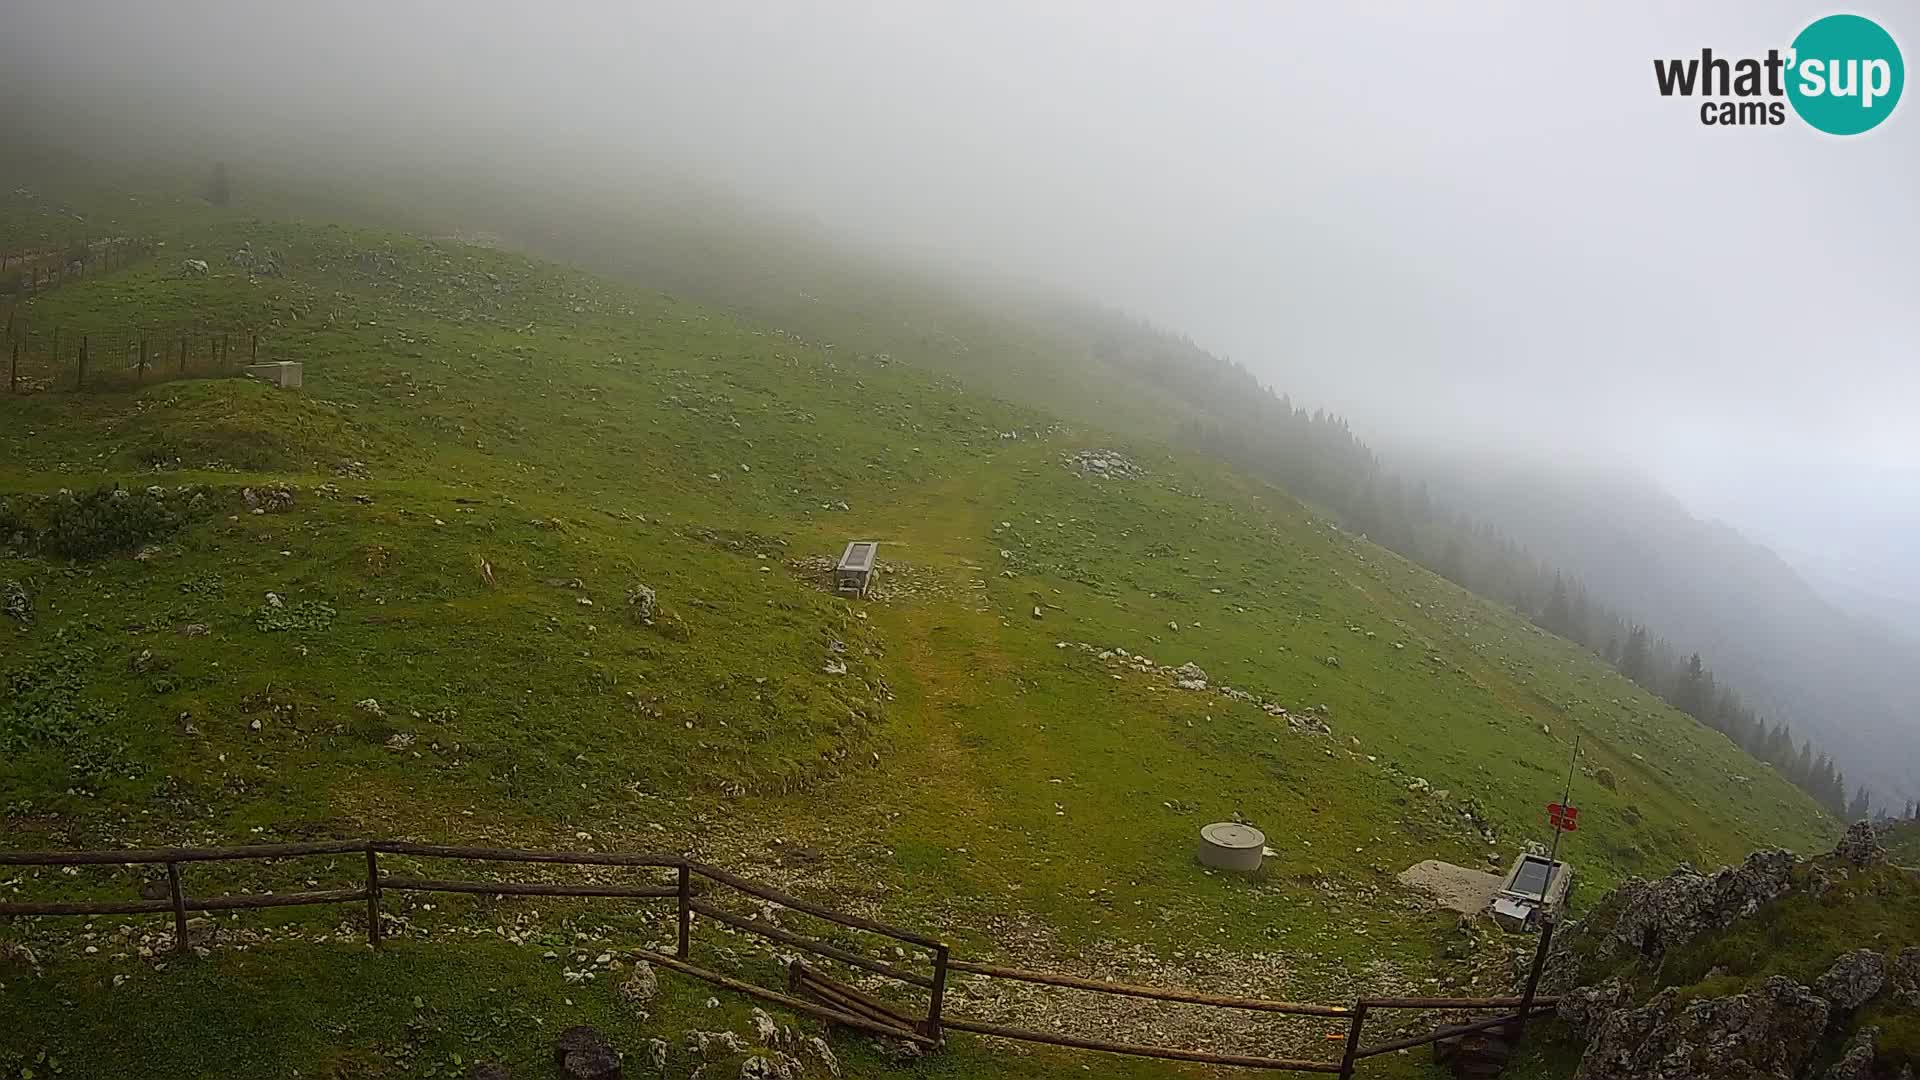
[[1845, 75]]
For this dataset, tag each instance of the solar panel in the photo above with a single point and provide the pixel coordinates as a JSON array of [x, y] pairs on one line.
[[1532, 878], [858, 556]]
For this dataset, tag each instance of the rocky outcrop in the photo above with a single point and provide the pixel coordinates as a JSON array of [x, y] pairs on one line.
[[16, 602], [1773, 1028], [1857, 1062], [1903, 979], [1860, 847], [581, 1053], [1853, 979], [1771, 1031], [1655, 916], [1585, 1006]]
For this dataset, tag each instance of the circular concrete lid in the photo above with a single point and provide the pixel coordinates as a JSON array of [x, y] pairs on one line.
[[1232, 834]]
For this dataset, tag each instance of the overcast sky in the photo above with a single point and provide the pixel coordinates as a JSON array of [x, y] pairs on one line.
[[1460, 221]]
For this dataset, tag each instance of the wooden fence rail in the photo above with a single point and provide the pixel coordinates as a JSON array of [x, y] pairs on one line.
[[832, 1001]]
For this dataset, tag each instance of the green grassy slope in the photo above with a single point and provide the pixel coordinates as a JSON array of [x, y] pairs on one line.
[[492, 455]]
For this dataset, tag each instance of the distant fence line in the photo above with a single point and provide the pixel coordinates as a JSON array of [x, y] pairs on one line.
[[691, 885], [32, 272], [43, 359]]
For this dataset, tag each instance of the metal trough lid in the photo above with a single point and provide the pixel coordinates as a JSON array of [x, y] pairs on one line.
[[859, 555]]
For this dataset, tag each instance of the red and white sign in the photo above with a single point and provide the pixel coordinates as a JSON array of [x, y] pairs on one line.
[[1564, 818]]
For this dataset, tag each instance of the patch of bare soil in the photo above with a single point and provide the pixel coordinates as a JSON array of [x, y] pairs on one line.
[[1455, 888]]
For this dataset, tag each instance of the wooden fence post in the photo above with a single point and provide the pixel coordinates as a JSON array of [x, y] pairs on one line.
[[142, 376], [1533, 980], [253, 353], [223, 350], [13, 377], [373, 896], [179, 908], [931, 1029], [1353, 1041], [183, 356], [56, 346], [80, 381], [685, 948]]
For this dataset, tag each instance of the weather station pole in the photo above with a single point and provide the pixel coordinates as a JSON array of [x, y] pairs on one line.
[[1562, 812]]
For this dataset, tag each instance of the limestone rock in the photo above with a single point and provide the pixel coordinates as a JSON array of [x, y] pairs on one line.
[[582, 1053], [817, 1047], [762, 1067], [1656, 916], [268, 499], [1584, 1006], [709, 1043], [640, 986], [1853, 978], [1860, 846], [15, 601], [1857, 1062], [1770, 1031], [1903, 979], [643, 600]]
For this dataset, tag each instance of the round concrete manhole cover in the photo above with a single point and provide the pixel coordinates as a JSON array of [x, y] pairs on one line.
[[1232, 834]]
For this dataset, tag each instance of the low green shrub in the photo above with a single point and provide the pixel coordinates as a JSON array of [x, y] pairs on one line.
[[106, 522]]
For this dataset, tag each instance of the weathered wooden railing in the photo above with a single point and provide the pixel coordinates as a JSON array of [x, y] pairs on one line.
[[832, 1001]]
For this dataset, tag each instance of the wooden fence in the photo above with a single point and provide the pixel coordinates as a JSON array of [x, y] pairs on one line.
[[30, 272], [824, 998], [42, 359]]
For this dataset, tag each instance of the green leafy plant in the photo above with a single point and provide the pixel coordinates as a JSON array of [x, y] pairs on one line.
[[106, 522], [307, 615]]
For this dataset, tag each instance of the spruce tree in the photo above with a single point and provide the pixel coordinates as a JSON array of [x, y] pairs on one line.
[[1861, 806], [1635, 661], [1558, 617], [219, 187]]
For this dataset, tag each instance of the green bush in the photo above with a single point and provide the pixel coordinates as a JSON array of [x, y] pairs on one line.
[[106, 522], [15, 531], [307, 615]]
